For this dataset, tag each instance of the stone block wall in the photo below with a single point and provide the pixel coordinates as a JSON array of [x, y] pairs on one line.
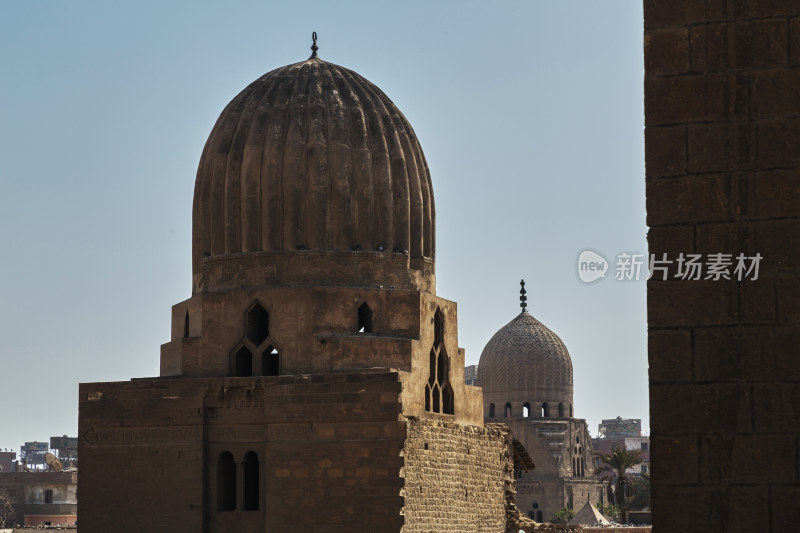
[[722, 149], [328, 449], [456, 478], [335, 453]]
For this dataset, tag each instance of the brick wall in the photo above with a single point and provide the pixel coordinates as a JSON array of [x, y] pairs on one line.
[[335, 454], [328, 449], [457, 478], [722, 143]]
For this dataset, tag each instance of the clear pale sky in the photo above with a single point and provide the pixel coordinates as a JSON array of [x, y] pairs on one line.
[[530, 115]]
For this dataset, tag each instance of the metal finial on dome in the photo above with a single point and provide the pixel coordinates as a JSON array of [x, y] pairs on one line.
[[314, 46], [522, 298]]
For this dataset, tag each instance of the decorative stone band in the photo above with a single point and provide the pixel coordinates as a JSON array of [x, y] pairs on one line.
[[311, 267]]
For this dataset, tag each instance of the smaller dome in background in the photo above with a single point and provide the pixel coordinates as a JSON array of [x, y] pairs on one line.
[[526, 363]]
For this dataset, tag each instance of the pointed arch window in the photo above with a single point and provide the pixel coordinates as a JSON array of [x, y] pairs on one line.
[[251, 482], [439, 396], [364, 319], [507, 410], [243, 364], [226, 482], [447, 399], [257, 353], [545, 410], [526, 409], [257, 324], [491, 410], [186, 326], [271, 362], [438, 327], [561, 410]]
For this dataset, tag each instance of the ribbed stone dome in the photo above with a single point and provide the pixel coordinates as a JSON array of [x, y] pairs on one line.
[[312, 157], [526, 362]]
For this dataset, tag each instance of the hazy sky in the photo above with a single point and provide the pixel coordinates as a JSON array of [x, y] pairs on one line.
[[530, 115]]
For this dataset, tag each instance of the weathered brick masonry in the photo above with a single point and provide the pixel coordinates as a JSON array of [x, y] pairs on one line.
[[453, 479], [722, 117], [338, 456], [330, 449]]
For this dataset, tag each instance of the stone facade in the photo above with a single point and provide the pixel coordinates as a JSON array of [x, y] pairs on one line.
[[722, 143], [313, 380], [525, 371], [562, 452]]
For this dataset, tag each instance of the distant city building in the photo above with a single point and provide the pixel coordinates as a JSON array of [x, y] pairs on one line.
[[66, 449], [471, 375], [44, 485], [32, 454], [620, 427], [624, 433], [42, 498], [7, 461]]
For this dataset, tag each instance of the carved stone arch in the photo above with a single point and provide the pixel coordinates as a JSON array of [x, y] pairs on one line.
[[448, 404], [438, 328], [427, 397], [441, 367], [365, 315], [436, 403], [432, 368], [271, 361], [226, 482], [256, 320], [251, 482], [241, 361]]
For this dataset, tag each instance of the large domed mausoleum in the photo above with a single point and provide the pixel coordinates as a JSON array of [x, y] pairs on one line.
[[313, 379]]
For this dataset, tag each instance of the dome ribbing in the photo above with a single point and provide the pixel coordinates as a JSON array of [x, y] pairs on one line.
[[312, 156]]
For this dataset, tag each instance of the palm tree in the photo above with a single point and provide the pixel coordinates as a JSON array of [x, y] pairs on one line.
[[641, 499], [613, 467]]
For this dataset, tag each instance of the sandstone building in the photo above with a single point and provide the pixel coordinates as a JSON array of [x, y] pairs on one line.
[[42, 498], [313, 381], [525, 372]]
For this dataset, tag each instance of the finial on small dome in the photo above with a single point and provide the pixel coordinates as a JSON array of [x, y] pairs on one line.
[[522, 298], [314, 46]]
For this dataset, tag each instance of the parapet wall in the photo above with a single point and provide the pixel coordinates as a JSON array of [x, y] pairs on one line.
[[457, 478]]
